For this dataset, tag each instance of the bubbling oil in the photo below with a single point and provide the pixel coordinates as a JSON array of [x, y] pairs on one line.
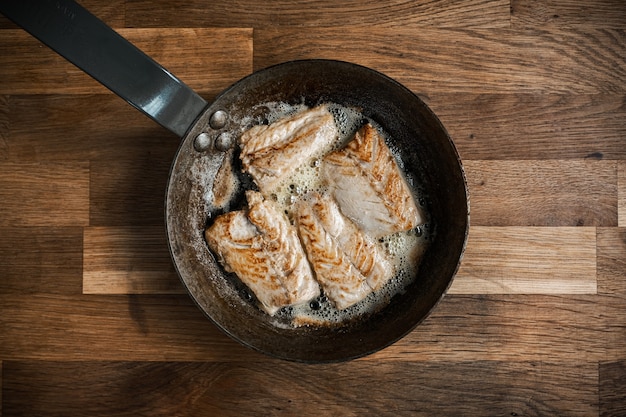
[[404, 249]]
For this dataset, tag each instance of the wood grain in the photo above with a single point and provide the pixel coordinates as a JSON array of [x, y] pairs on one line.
[[228, 389], [41, 260], [44, 194], [112, 12], [4, 126], [315, 14], [465, 61], [93, 320], [612, 261], [130, 190], [100, 127], [612, 389], [517, 327], [196, 56], [563, 328], [621, 193], [577, 13], [128, 260], [534, 126], [498, 260], [542, 193], [112, 327], [528, 260]]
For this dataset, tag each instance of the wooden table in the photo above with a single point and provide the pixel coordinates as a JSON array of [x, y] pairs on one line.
[[94, 321]]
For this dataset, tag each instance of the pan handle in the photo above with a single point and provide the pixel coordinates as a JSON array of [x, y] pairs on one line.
[[91, 45]]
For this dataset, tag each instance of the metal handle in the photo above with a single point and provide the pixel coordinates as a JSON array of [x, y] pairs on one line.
[[91, 45]]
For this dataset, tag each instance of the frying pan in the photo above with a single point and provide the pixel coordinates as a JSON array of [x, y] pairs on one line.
[[209, 131]]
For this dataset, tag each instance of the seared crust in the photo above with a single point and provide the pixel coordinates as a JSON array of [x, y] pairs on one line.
[[347, 263], [263, 249], [343, 283], [368, 186], [272, 152]]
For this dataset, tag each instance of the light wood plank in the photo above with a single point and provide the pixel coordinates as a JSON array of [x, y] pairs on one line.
[[621, 194], [128, 260], [41, 260], [46, 194], [542, 193], [432, 60], [196, 56], [528, 260], [534, 126], [232, 389], [579, 13], [498, 260], [322, 13]]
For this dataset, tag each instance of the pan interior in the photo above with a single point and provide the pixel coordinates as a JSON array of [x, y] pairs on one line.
[[427, 154]]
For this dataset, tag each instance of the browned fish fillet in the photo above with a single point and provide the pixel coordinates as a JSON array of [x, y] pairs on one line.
[[263, 249], [272, 152], [347, 263], [368, 185]]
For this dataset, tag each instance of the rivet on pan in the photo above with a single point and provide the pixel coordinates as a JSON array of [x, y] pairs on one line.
[[224, 141], [218, 119], [202, 142]]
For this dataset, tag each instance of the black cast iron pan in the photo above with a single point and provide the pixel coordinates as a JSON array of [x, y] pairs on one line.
[[208, 133]]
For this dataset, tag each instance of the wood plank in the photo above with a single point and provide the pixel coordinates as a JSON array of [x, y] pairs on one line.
[[323, 13], [498, 260], [196, 56], [517, 328], [534, 126], [45, 327], [544, 127], [612, 261], [230, 389], [82, 127], [130, 190], [41, 260], [528, 260], [112, 12], [612, 388], [579, 13], [170, 327], [621, 193], [128, 260], [45, 194], [542, 193], [4, 126], [432, 60]]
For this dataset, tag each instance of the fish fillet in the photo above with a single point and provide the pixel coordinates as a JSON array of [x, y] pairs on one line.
[[347, 263], [365, 180], [263, 249], [272, 152]]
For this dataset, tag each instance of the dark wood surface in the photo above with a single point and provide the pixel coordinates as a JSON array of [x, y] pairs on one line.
[[94, 321]]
